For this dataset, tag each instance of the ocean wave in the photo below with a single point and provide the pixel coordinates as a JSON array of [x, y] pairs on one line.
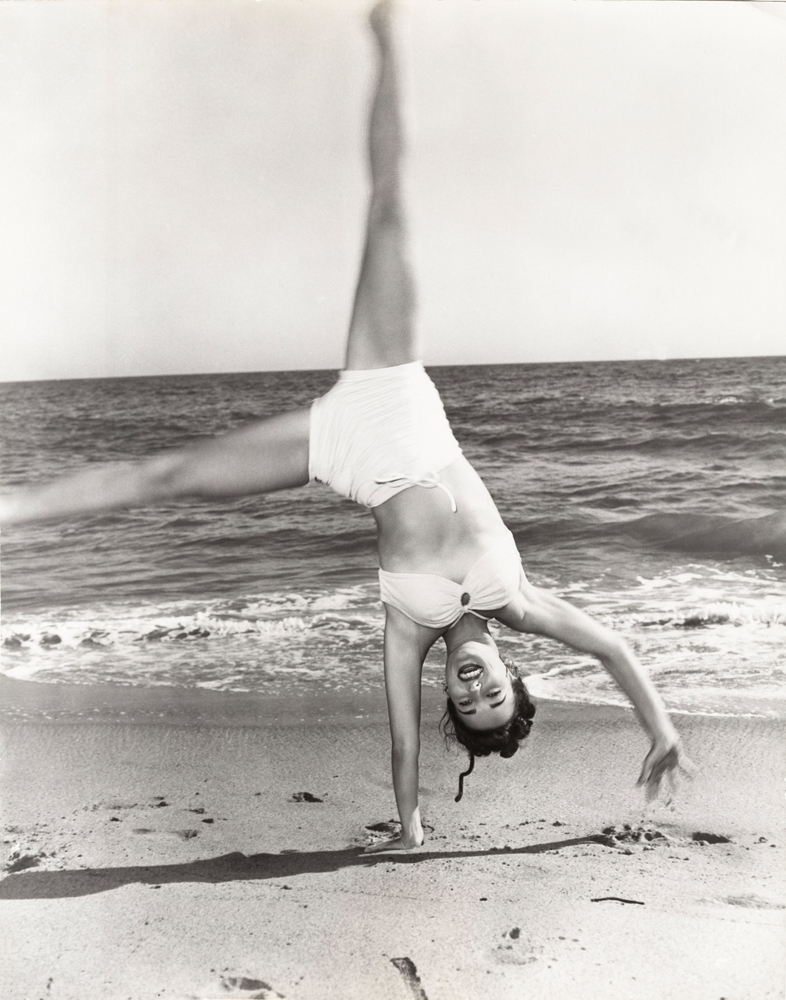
[[716, 613], [273, 617], [642, 439], [160, 630], [711, 533], [716, 535], [755, 406]]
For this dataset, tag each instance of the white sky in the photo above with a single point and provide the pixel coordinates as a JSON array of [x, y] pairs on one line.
[[182, 184]]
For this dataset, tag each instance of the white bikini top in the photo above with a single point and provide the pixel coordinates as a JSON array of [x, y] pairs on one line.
[[491, 582]]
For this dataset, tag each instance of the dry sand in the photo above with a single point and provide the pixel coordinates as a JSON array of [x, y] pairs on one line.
[[154, 846]]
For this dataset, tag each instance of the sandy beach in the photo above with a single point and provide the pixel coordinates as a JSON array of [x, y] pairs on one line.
[[158, 843]]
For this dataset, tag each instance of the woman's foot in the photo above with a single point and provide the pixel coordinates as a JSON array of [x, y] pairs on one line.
[[380, 20]]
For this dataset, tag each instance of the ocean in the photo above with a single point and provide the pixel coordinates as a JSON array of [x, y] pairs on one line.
[[648, 493]]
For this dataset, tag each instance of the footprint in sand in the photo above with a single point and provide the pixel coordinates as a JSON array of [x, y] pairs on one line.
[[183, 834], [384, 830], [305, 797], [19, 862], [373, 833], [649, 837], [514, 949], [709, 838], [753, 901], [245, 986], [645, 835]]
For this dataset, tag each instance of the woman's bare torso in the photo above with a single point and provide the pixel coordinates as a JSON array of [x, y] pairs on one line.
[[417, 532]]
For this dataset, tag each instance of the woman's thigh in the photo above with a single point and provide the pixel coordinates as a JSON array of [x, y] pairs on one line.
[[259, 458]]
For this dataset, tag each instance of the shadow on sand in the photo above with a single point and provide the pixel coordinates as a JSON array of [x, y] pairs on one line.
[[239, 867]]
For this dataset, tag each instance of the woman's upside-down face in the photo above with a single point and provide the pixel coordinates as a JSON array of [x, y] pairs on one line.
[[479, 685]]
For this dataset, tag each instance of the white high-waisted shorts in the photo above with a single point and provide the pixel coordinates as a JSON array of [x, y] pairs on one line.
[[379, 431]]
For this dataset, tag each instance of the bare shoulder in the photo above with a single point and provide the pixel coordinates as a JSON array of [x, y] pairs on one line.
[[543, 613], [529, 601]]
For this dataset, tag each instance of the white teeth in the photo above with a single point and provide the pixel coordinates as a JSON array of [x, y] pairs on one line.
[[469, 673]]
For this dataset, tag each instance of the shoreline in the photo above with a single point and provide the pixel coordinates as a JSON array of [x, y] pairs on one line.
[[28, 700], [22, 699], [172, 853]]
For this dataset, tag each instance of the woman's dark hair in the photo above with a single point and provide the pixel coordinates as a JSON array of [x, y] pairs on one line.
[[504, 740]]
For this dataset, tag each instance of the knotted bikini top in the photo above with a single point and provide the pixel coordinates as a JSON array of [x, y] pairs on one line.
[[491, 582]]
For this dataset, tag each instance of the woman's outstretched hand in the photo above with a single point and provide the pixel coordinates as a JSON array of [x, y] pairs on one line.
[[663, 761], [396, 844]]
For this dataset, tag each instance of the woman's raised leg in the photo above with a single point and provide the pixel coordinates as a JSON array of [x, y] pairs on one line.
[[272, 454], [381, 331], [259, 458]]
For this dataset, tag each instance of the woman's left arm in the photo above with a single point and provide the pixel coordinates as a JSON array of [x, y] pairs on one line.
[[549, 615]]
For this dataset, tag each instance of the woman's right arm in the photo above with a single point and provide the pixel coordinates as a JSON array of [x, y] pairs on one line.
[[261, 457], [406, 645]]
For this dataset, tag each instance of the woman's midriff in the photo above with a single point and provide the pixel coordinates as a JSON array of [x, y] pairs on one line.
[[417, 532]]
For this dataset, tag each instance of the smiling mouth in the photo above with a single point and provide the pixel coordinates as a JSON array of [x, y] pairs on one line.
[[469, 673]]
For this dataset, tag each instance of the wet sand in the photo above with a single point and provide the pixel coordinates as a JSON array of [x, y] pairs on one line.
[[160, 843]]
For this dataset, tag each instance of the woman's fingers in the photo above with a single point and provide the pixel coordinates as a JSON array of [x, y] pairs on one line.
[[660, 763], [656, 763]]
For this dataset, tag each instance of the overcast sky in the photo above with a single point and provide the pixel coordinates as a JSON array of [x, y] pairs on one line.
[[182, 184]]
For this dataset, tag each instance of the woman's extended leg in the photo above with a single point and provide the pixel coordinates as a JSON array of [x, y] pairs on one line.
[[262, 457], [273, 454], [381, 330]]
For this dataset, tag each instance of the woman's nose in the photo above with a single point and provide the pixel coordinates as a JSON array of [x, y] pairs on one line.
[[475, 685]]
